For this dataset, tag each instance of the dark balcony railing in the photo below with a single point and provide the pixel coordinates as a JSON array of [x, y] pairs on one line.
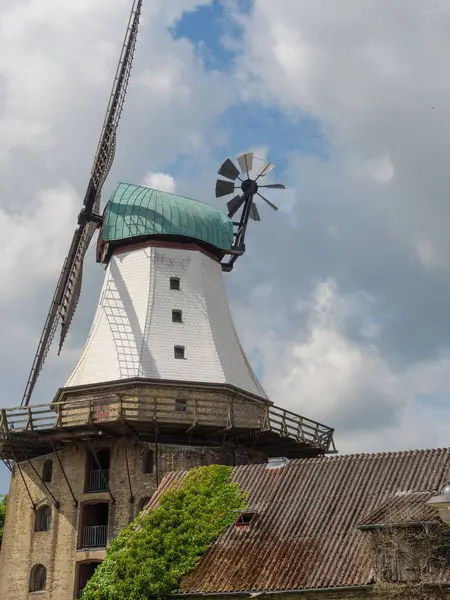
[[98, 480], [95, 536]]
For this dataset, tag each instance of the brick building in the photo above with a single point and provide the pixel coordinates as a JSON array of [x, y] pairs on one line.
[[162, 384]]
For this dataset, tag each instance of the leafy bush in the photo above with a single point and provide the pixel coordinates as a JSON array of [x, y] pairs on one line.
[[151, 555], [3, 500]]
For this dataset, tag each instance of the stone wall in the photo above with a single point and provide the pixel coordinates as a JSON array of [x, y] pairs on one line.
[[56, 548]]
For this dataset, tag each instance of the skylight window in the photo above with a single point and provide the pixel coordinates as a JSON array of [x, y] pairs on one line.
[[245, 519]]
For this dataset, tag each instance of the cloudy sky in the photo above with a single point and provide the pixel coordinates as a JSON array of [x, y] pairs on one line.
[[343, 297]]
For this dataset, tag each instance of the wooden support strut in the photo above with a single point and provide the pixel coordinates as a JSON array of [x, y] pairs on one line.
[[97, 462], [33, 505], [75, 501], [157, 456], [128, 474], [55, 501]]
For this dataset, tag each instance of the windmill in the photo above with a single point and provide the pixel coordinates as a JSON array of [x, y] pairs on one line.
[[67, 293], [245, 200]]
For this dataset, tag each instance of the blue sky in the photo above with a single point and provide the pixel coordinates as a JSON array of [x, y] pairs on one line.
[[252, 124], [207, 28]]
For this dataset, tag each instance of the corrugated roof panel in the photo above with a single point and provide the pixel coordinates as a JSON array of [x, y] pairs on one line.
[[306, 534], [404, 507]]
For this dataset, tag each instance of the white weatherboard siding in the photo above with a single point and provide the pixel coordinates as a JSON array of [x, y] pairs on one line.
[[133, 334]]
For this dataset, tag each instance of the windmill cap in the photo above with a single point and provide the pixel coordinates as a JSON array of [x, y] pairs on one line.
[[136, 211]]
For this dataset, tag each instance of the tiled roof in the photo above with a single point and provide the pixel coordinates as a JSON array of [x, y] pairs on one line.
[[306, 533]]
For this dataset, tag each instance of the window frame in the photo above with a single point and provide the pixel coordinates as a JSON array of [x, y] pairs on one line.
[[37, 581], [179, 314], [47, 471], [175, 284], [181, 350], [148, 466], [40, 518], [245, 519], [181, 405]]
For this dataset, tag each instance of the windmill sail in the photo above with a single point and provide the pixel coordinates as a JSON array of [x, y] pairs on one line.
[[68, 290]]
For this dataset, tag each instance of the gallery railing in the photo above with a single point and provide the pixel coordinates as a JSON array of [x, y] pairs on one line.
[[135, 407]]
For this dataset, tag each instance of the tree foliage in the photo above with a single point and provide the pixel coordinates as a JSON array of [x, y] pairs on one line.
[[151, 555], [3, 500]]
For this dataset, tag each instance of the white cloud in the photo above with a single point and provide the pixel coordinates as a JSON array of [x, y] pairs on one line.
[[320, 372], [380, 169], [160, 181], [34, 242], [381, 98]]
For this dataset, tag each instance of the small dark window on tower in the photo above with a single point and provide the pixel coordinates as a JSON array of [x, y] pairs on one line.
[[148, 461], [43, 518], [177, 316], [174, 283], [178, 351], [47, 471], [245, 519], [180, 405], [38, 578]]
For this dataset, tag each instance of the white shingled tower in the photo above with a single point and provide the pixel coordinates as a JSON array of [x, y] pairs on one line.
[[163, 314]]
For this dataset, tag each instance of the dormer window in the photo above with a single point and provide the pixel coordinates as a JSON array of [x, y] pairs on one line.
[[174, 283], [178, 352], [245, 519]]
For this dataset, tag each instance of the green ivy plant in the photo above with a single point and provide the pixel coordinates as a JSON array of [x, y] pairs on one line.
[[3, 500], [150, 556]]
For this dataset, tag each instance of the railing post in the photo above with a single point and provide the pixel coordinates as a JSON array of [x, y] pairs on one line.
[[4, 421], [29, 420], [91, 410], [284, 430], [266, 422], [58, 415], [230, 415]]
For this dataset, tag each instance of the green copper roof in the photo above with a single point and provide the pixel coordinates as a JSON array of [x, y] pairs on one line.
[[134, 211]]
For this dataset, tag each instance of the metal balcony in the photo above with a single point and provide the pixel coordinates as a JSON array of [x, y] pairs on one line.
[[98, 480], [95, 536]]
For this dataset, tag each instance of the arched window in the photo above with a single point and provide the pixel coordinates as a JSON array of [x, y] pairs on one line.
[[148, 461], [47, 471], [43, 518], [38, 578]]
